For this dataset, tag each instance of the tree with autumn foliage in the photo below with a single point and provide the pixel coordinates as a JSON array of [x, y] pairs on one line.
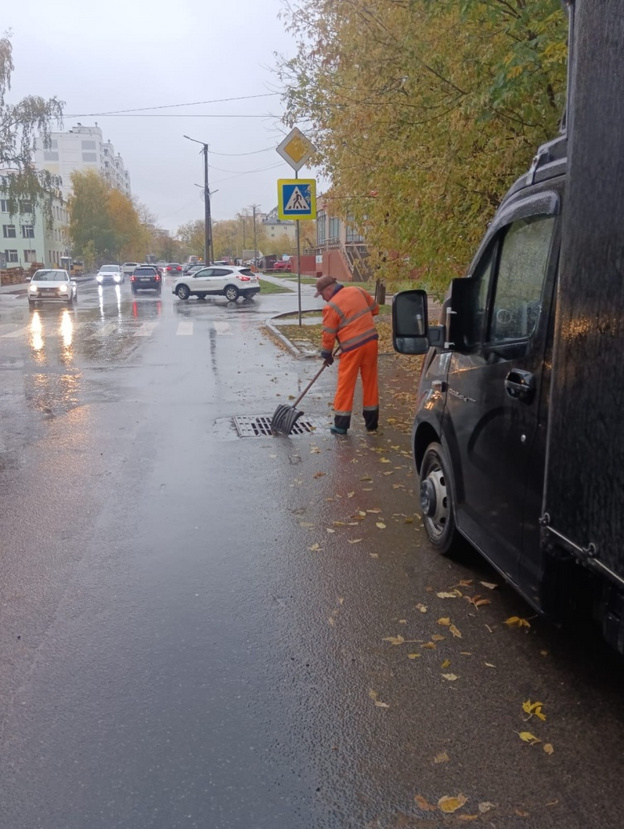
[[104, 220], [423, 113], [22, 124]]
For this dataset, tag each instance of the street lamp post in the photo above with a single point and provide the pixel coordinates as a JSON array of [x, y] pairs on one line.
[[208, 251]]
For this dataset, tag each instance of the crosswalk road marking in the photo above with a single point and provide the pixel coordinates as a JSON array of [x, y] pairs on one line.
[[21, 332], [185, 329], [146, 329]]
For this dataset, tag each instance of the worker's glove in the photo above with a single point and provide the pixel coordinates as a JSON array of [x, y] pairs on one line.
[[327, 357]]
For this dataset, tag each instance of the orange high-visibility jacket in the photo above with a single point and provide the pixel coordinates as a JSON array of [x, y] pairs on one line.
[[348, 318]]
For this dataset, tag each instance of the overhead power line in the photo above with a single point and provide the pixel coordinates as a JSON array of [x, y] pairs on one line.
[[169, 106]]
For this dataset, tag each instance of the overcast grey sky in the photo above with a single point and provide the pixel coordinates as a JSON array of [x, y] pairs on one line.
[[134, 54]]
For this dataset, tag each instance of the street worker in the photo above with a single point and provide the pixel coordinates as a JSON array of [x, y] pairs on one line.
[[348, 320]]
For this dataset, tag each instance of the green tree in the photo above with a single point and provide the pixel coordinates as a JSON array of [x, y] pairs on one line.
[[90, 220], [423, 113], [129, 234], [192, 238], [20, 126]]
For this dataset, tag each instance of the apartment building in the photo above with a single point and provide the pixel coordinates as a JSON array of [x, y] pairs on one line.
[[82, 148], [276, 228], [28, 237]]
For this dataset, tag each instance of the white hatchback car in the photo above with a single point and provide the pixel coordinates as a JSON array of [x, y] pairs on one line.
[[110, 273], [52, 284], [226, 280]]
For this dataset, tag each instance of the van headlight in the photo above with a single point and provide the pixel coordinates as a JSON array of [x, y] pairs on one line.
[[63, 289], [32, 289]]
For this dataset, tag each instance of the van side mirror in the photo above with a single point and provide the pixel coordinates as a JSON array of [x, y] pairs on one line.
[[409, 322]]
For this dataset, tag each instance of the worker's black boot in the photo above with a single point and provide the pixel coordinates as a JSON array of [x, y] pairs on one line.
[[341, 424], [371, 419]]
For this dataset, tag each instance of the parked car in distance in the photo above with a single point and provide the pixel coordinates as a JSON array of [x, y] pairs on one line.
[[146, 278], [128, 268], [192, 266], [282, 265], [230, 282], [52, 284], [174, 268], [110, 273]]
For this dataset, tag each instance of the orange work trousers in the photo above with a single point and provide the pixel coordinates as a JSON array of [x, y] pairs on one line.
[[362, 360]]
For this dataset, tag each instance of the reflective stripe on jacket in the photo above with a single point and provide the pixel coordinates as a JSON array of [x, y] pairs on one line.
[[348, 318]]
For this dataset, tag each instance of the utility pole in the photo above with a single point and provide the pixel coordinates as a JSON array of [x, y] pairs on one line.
[[208, 251], [254, 236]]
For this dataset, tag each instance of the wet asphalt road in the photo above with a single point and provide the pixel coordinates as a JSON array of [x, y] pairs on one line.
[[203, 630]]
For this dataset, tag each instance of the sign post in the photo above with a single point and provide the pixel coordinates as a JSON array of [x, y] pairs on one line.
[[297, 198]]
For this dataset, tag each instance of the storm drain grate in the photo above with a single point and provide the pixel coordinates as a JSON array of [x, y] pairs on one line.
[[256, 426]]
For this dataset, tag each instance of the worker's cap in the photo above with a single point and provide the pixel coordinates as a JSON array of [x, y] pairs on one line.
[[324, 282]]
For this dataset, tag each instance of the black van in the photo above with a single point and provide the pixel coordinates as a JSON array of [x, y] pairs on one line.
[[481, 423], [518, 435]]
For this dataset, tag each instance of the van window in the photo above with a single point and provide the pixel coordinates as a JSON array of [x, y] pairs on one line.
[[522, 268]]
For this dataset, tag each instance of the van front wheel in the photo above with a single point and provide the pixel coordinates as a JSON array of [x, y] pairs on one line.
[[437, 500]]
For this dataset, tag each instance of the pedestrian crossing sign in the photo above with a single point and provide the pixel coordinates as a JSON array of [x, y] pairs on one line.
[[296, 198]]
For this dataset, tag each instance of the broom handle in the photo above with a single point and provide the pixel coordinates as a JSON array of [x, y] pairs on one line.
[[314, 379]]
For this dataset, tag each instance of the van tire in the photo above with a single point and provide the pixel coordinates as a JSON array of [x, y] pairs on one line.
[[437, 500]]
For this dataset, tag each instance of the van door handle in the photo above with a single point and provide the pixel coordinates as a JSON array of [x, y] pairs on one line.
[[520, 384]]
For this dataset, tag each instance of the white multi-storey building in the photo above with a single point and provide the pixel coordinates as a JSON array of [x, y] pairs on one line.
[[30, 236], [82, 148]]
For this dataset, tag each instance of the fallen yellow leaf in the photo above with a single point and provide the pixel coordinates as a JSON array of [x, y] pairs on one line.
[[315, 547], [441, 758], [350, 494], [468, 817], [516, 622], [381, 525], [423, 804], [448, 804], [450, 677], [455, 632], [534, 709], [421, 607], [444, 595], [409, 520], [354, 540], [548, 748], [527, 737], [375, 698], [413, 656], [486, 806], [446, 663], [437, 637], [444, 621], [394, 640], [429, 646], [490, 585]]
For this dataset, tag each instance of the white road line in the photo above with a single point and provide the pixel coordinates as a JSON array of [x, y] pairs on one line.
[[185, 329], [222, 327], [21, 332], [106, 330], [146, 329]]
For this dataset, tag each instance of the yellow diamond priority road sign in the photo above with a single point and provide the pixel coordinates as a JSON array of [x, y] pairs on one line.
[[296, 149]]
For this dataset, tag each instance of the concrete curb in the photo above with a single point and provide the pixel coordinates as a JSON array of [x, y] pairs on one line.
[[285, 341]]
